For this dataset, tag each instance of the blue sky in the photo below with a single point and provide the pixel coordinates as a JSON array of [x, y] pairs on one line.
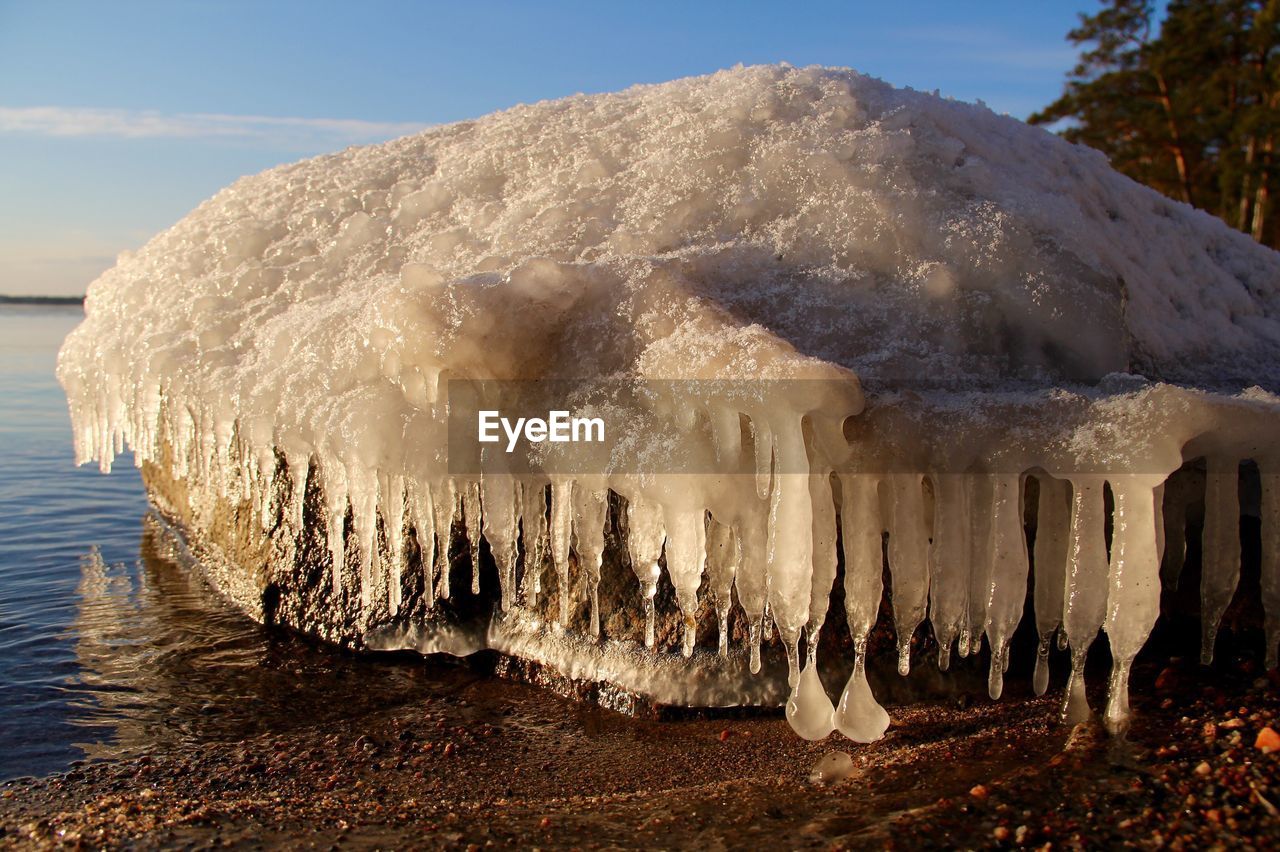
[[118, 118]]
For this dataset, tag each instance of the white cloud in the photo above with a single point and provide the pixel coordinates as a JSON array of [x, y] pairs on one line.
[[148, 124]]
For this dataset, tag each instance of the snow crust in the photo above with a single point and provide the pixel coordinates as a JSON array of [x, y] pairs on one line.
[[973, 301]]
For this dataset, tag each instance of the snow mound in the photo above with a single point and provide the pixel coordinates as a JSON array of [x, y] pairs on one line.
[[916, 306]]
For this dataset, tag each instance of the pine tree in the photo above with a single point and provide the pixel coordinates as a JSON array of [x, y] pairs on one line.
[[1191, 110]]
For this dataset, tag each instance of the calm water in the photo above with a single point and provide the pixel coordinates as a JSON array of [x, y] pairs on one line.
[[108, 644]]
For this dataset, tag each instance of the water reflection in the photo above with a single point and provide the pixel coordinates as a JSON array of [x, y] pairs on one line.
[[109, 644], [161, 658]]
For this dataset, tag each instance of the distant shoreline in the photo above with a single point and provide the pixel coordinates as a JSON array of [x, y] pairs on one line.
[[41, 300]]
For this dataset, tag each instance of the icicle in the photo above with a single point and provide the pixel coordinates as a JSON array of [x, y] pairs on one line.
[[792, 647], [251, 478], [1053, 522], [1008, 588], [245, 474], [824, 553], [726, 431], [335, 498], [443, 507], [393, 514], [1040, 680], [220, 460], [1133, 599], [183, 436], [908, 561], [981, 490], [1220, 551], [501, 530], [150, 399], [645, 537], [1075, 703], [533, 536], [473, 521], [809, 710], [206, 447], [424, 526], [722, 565], [863, 555], [998, 665], [763, 446], [686, 555], [790, 551], [1271, 559], [754, 630], [561, 530], [1085, 595], [254, 496], [590, 513], [949, 563], [266, 475], [858, 715], [752, 579]]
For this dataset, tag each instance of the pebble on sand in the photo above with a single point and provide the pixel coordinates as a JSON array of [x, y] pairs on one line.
[[1268, 740]]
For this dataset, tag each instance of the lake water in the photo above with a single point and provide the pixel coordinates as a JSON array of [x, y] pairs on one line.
[[108, 644]]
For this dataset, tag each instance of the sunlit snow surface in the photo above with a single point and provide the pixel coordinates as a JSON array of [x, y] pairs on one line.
[[973, 299]]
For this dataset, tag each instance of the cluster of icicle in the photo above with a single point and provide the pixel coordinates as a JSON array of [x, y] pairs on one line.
[[758, 224], [957, 550]]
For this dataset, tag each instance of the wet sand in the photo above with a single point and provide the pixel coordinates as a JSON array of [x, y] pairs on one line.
[[489, 762]]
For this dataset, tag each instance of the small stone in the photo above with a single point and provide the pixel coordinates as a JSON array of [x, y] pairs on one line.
[[1268, 740], [1000, 833], [724, 735], [544, 823], [978, 791], [1232, 723], [1204, 768]]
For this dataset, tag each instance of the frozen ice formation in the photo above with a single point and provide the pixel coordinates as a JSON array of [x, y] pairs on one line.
[[832, 768], [897, 315]]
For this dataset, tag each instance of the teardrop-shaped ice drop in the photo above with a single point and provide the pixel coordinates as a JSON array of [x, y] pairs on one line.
[[859, 716], [1075, 704], [792, 645], [832, 768], [1040, 681], [995, 676], [809, 710]]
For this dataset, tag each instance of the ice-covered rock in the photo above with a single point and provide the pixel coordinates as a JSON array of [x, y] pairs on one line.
[[835, 310]]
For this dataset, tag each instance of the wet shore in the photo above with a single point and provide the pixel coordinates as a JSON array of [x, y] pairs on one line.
[[488, 762]]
